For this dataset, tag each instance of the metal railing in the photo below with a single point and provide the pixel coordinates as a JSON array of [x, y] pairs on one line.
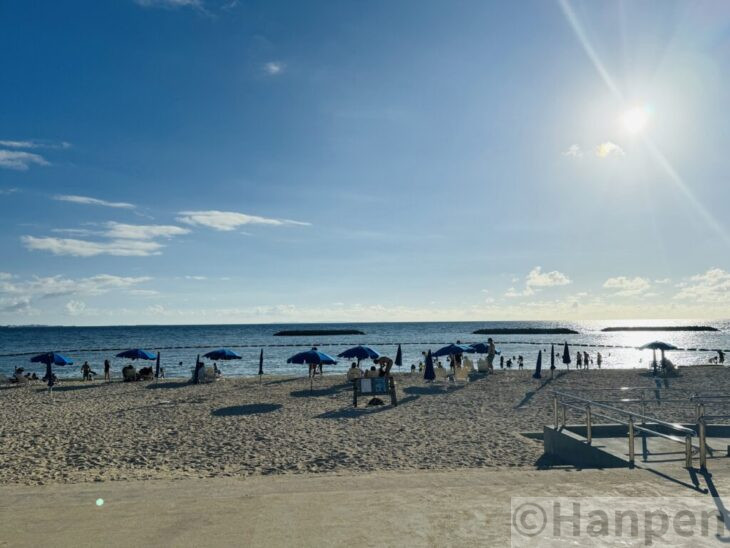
[[567, 400]]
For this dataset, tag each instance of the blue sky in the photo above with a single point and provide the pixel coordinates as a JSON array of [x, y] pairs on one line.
[[204, 161]]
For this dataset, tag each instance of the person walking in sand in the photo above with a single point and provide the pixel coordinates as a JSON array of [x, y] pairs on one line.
[[107, 371]]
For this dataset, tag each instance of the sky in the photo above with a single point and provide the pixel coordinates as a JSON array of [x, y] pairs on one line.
[[223, 161]]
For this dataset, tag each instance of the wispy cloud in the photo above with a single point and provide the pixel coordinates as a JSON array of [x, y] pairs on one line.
[[624, 286], [21, 160], [7, 191], [230, 220], [18, 295], [87, 200], [604, 150], [536, 280], [574, 151], [142, 232], [34, 144], [85, 248], [274, 68]]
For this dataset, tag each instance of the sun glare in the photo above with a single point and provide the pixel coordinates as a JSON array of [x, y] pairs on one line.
[[635, 119]]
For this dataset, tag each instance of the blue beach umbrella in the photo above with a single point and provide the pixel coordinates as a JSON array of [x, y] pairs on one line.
[[454, 350], [538, 366], [360, 353], [222, 354], [51, 359], [312, 357], [399, 357], [480, 348], [137, 354], [566, 355], [428, 373]]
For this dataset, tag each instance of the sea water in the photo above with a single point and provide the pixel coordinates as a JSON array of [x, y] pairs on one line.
[[182, 344]]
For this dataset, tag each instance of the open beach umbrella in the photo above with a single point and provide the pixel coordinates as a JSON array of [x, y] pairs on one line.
[[480, 348], [137, 354], [222, 354], [454, 350], [51, 359], [359, 353], [399, 357], [312, 357], [657, 345], [538, 366], [566, 355], [428, 373]]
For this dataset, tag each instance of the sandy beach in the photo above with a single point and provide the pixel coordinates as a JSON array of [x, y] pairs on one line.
[[237, 427]]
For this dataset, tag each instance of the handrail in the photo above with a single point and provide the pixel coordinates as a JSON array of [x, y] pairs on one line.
[[673, 426]]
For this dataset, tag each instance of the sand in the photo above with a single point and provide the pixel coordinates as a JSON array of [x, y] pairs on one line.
[[93, 431]]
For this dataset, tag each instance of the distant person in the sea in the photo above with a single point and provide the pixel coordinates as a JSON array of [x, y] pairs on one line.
[[413, 368], [599, 359], [520, 362], [107, 371], [578, 360], [509, 363]]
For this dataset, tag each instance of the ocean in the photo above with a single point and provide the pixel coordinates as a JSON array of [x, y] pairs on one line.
[[181, 344]]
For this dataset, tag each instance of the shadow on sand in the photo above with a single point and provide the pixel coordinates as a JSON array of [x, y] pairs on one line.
[[61, 388], [243, 410], [355, 412], [433, 389], [161, 385], [328, 391], [530, 394]]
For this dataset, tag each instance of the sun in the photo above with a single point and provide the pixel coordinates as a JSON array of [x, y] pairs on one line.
[[635, 119]]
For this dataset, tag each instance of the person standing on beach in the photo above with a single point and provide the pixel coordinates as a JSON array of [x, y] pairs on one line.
[[491, 351], [107, 371], [585, 360], [599, 359], [579, 360]]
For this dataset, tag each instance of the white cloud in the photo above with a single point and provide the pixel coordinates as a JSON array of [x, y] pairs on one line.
[[663, 281], [536, 280], [74, 308], [573, 151], [197, 278], [144, 292], [711, 287], [86, 200], [33, 144], [604, 150], [274, 68], [7, 191], [627, 287], [20, 160], [142, 232], [229, 220], [84, 248]]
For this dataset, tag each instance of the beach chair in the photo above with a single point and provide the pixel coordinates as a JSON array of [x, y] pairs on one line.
[[354, 374], [442, 373], [207, 374], [482, 365], [467, 364], [462, 373]]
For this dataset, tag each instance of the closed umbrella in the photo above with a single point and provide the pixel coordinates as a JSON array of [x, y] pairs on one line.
[[157, 367], [538, 366], [51, 359], [261, 365], [429, 374], [566, 355], [399, 357], [552, 360]]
